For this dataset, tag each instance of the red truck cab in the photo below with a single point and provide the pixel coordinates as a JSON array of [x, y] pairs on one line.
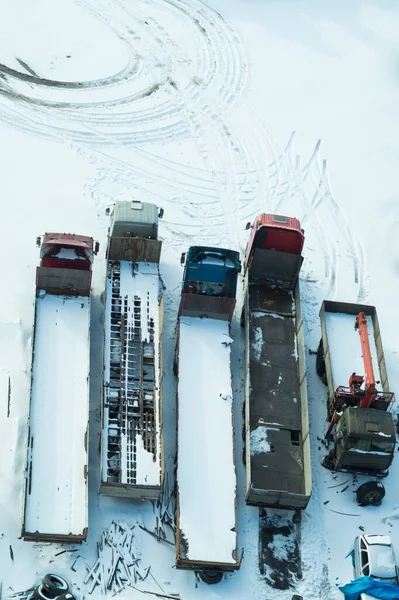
[[65, 263]]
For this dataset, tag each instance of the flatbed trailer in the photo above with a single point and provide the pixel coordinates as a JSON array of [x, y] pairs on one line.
[[277, 448], [206, 511], [56, 502], [131, 408]]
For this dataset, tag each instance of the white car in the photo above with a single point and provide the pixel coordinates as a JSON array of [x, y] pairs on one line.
[[374, 557]]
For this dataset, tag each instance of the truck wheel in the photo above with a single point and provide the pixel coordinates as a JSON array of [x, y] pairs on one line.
[[370, 493], [41, 593], [320, 363], [242, 318], [54, 584], [175, 367], [329, 461], [211, 577]]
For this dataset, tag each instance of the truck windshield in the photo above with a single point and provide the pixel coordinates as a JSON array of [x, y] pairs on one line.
[[371, 445]]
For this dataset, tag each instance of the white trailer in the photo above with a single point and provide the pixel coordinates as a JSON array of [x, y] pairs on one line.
[[206, 511], [56, 505], [131, 446]]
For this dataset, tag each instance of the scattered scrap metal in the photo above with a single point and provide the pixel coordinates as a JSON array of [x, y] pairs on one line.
[[164, 510], [118, 563]]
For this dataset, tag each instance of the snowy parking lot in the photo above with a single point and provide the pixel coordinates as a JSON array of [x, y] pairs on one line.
[[215, 111]]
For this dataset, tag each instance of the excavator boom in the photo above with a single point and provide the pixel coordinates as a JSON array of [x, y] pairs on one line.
[[370, 383]]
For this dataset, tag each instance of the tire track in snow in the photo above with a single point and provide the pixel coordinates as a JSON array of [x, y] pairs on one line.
[[236, 178], [226, 180], [217, 37], [355, 247]]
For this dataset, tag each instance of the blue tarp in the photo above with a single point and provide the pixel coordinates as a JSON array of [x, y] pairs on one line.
[[379, 589]]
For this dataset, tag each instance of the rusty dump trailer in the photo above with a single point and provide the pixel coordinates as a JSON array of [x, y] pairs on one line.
[[206, 512], [56, 507], [131, 407], [277, 445]]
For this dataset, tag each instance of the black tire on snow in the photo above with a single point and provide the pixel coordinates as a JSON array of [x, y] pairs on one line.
[[320, 363], [35, 595], [370, 493], [175, 367], [242, 318], [54, 584], [211, 577], [329, 462], [41, 593]]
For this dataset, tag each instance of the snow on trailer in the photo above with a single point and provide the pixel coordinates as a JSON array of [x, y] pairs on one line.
[[206, 471], [341, 344], [131, 446], [206, 519], [56, 507]]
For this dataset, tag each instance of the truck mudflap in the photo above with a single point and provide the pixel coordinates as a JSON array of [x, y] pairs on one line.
[[70, 538], [276, 499], [330, 463]]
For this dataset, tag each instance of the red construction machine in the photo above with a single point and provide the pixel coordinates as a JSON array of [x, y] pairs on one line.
[[360, 423], [355, 395]]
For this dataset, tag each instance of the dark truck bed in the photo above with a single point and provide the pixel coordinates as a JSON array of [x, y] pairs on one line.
[[277, 435]]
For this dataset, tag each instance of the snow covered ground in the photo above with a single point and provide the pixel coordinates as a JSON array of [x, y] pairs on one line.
[[192, 106]]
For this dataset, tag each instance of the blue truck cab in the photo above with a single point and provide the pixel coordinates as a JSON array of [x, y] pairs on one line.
[[209, 282]]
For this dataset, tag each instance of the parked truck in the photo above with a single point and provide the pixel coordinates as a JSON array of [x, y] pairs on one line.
[[206, 515], [350, 360], [131, 409], [277, 445], [55, 507]]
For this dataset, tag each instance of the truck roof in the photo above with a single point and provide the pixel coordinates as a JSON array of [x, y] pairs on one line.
[[370, 422], [68, 239]]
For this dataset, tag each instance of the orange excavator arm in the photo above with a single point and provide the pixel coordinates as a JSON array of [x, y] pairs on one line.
[[370, 383]]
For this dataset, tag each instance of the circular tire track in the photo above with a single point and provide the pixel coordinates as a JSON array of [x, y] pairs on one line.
[[156, 119]]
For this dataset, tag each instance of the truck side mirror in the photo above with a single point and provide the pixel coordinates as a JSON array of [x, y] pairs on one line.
[[108, 211], [248, 226], [160, 213], [96, 247], [38, 241], [183, 258]]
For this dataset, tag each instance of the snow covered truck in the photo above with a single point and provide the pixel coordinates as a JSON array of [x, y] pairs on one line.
[[206, 515], [131, 405], [277, 444], [56, 507], [360, 422]]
